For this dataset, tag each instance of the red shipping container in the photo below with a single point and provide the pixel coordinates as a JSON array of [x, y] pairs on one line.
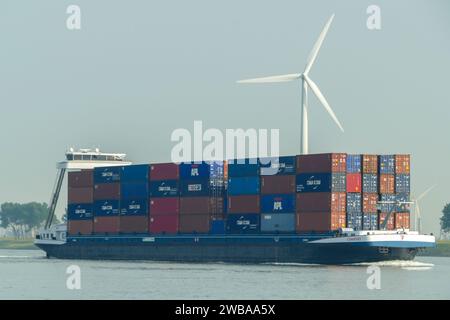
[[194, 223], [164, 171], [133, 224], [391, 222], [278, 184], [165, 205], [353, 182], [107, 191], [199, 205], [402, 163], [321, 202], [320, 221], [369, 202], [77, 227], [80, 195], [402, 220], [80, 179], [107, 224], [369, 163], [322, 163], [164, 223], [243, 204], [387, 183]]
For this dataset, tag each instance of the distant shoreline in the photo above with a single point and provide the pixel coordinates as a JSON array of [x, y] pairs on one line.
[[441, 250]]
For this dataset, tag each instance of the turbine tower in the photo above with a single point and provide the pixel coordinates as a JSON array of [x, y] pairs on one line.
[[418, 217], [305, 83]]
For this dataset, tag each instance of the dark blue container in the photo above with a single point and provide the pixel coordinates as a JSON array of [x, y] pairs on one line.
[[355, 220], [313, 182], [104, 208], [216, 170], [243, 223], [195, 188], [136, 207], [243, 185], [217, 227], [283, 222], [243, 168], [134, 173], [278, 166], [353, 163], [338, 182], [370, 221], [80, 211], [402, 183], [164, 188], [386, 164], [354, 202], [107, 174], [134, 190], [277, 203], [387, 207], [194, 170], [369, 183]]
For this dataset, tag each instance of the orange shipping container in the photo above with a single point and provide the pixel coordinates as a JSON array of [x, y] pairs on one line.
[[80, 195], [402, 220], [320, 221], [402, 163], [77, 227], [134, 224], [387, 183], [370, 163], [107, 224]]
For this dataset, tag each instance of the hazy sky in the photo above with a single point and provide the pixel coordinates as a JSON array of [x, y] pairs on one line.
[[137, 70]]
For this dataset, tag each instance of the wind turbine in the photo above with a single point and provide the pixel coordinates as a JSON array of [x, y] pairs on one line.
[[418, 218], [305, 83]]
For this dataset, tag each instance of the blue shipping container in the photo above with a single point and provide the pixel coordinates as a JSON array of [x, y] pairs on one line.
[[243, 223], [134, 190], [354, 202], [386, 164], [402, 183], [313, 182], [79, 211], [353, 163], [403, 197], [278, 166], [339, 182], [243, 168], [195, 188], [107, 174], [370, 183], [194, 170], [134, 173], [217, 227], [277, 203], [136, 207], [370, 221], [106, 208], [216, 170], [164, 188], [243, 185], [284, 222], [355, 220], [387, 207]]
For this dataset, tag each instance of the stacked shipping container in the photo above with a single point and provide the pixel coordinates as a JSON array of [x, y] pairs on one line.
[[306, 193]]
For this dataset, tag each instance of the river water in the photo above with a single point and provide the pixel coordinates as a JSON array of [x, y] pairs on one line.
[[27, 274]]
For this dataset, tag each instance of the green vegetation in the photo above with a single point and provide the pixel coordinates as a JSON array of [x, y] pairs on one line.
[[442, 249], [445, 219], [22, 218], [9, 243]]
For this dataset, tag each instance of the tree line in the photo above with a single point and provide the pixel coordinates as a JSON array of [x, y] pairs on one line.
[[21, 218]]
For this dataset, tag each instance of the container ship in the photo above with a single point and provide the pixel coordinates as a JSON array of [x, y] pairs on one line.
[[332, 208]]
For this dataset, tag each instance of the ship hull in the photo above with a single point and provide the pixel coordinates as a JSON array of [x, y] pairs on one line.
[[221, 250]]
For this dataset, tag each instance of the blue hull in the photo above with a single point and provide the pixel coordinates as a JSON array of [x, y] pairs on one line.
[[235, 249]]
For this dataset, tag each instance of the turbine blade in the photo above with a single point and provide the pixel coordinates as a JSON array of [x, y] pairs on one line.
[[315, 50], [417, 209], [281, 78], [426, 192], [322, 99]]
